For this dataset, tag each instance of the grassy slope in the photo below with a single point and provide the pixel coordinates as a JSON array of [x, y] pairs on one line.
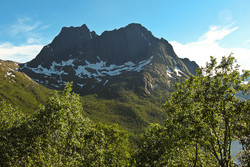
[[17, 88], [128, 110]]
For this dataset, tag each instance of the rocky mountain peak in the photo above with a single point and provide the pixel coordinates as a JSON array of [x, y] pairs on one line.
[[126, 58]]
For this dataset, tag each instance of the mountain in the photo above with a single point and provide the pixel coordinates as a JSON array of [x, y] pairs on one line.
[[130, 111], [129, 58], [191, 65], [123, 76]]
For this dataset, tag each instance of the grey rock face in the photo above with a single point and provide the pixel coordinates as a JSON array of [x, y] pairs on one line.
[[127, 58], [191, 65]]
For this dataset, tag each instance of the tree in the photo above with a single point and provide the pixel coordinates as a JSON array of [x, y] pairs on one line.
[[206, 111], [167, 145], [58, 134], [10, 117], [244, 155]]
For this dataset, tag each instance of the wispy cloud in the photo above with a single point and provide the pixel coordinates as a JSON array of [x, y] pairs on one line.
[[23, 25], [217, 33], [26, 28], [19, 54], [208, 45]]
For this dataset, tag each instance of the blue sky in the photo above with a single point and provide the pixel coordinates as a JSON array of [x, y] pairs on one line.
[[197, 29]]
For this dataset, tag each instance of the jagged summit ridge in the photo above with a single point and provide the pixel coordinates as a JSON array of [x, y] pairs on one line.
[[128, 58], [117, 46]]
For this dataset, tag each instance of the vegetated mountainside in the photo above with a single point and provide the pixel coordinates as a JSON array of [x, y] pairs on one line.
[[129, 58], [131, 112], [123, 76], [19, 89]]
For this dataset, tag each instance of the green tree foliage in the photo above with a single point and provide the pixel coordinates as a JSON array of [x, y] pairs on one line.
[[59, 135], [203, 118], [244, 155], [9, 115], [207, 112], [167, 146]]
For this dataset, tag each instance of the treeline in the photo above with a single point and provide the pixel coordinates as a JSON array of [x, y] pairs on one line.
[[203, 118]]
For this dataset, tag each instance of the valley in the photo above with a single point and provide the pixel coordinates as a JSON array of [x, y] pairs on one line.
[[120, 98]]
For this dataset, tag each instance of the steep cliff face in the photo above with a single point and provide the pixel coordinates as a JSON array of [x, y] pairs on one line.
[[191, 65], [129, 58]]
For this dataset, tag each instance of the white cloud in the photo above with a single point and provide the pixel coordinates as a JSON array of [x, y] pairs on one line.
[[208, 45], [34, 40], [23, 25], [19, 54], [217, 33], [30, 33]]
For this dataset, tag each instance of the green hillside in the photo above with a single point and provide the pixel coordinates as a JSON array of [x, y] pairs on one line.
[[18, 89], [130, 111]]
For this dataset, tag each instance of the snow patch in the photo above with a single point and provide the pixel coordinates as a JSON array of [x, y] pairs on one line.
[[52, 70], [67, 63], [98, 58], [169, 72], [37, 80], [142, 64], [176, 68], [98, 80], [178, 71], [81, 85], [112, 70], [82, 71], [24, 66], [10, 74], [100, 68], [175, 63], [169, 75], [55, 85], [106, 82]]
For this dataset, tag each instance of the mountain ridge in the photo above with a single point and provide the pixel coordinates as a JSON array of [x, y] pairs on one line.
[[129, 58]]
